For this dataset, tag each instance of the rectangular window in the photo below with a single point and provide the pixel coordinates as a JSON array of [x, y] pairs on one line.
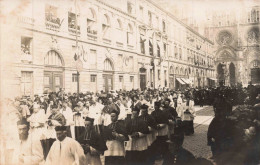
[[158, 51], [51, 14], [93, 78], [26, 83], [150, 48], [150, 18], [121, 79], [129, 8], [142, 45], [26, 45], [159, 74], [163, 26], [157, 22], [93, 59], [120, 61], [74, 78], [72, 21], [131, 78], [141, 12], [164, 49]]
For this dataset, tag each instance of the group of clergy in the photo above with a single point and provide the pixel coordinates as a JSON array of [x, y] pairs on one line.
[[126, 130]]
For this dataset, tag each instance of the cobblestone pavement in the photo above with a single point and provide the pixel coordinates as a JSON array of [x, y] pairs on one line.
[[197, 143]]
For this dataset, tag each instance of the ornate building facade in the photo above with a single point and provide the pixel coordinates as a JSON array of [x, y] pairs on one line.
[[236, 37], [114, 44]]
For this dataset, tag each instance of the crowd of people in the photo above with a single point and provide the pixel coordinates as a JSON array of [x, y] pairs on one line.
[[126, 127]]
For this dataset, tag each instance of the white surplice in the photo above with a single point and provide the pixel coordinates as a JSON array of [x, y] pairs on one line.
[[66, 152], [30, 150]]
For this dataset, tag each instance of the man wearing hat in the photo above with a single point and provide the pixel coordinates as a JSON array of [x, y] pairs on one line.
[[92, 142], [136, 147], [29, 151], [65, 150], [116, 135]]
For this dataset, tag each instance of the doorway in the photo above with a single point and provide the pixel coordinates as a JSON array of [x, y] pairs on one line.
[[142, 72], [53, 81], [232, 74], [107, 82]]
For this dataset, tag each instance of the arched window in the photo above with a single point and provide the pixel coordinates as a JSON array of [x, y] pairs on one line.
[[171, 70], [106, 26], [91, 14], [175, 52], [53, 59], [91, 21], [129, 35], [180, 53], [181, 71], [108, 65], [118, 24], [119, 31]]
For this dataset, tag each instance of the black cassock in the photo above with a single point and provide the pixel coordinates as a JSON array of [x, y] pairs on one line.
[[160, 145], [91, 138], [119, 128]]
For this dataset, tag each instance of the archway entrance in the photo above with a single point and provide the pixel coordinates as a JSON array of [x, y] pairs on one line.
[[108, 75], [232, 75], [53, 72], [255, 72], [221, 76], [142, 72]]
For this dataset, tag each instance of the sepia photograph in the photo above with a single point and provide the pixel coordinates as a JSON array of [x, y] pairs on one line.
[[129, 82]]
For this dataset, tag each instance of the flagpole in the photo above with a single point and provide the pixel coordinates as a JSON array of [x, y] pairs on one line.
[[76, 24]]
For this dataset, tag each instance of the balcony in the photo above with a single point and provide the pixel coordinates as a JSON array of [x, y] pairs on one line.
[[119, 44], [72, 29], [26, 20], [92, 34], [52, 26], [130, 47], [26, 57], [106, 41]]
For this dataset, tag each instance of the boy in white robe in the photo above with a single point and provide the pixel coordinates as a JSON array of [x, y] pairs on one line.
[[65, 150]]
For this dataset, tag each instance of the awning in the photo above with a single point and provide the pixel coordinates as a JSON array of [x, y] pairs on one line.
[[180, 81], [187, 81]]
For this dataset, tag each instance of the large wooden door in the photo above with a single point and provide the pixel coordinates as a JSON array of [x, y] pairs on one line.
[[255, 75], [107, 82], [142, 81], [53, 81]]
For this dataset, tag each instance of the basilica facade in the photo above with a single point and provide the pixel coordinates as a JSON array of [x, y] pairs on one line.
[[236, 38]]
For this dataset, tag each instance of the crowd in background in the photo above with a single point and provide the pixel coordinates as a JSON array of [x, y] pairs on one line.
[[129, 127]]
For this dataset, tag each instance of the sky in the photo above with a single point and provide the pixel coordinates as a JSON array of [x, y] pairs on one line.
[[200, 7]]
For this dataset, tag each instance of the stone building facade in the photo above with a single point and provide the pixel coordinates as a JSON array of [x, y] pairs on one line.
[[114, 44], [236, 38]]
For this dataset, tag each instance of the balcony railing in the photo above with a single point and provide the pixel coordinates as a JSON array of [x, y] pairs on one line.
[[26, 20], [119, 44], [26, 57], [52, 26], [106, 41]]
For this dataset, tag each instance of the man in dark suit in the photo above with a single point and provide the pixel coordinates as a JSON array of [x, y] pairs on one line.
[[137, 145], [115, 134], [92, 143]]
